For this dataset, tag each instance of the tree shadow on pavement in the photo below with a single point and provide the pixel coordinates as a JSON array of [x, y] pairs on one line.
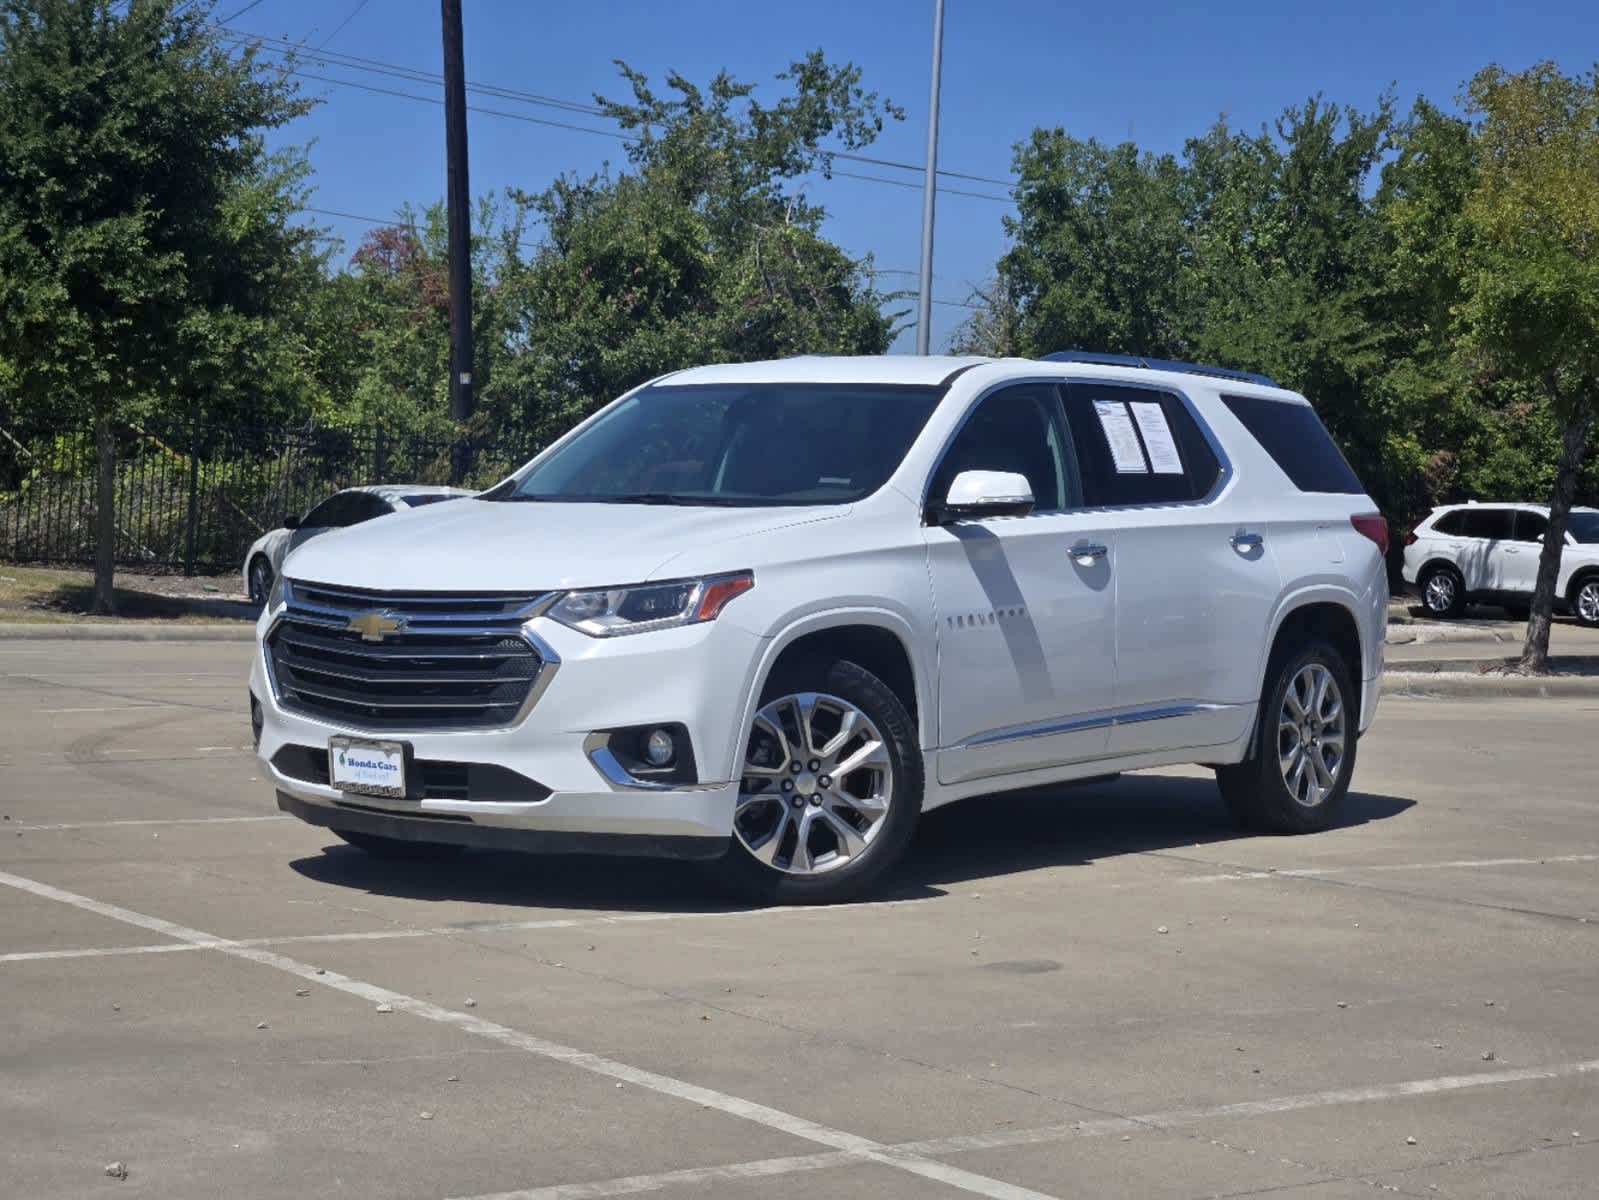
[[981, 838]]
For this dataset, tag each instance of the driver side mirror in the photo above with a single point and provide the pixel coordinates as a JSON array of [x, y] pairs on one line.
[[292, 521], [985, 494]]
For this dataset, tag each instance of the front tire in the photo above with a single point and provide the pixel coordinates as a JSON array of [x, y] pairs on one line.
[[831, 787], [1443, 592], [1303, 753], [399, 849], [260, 580]]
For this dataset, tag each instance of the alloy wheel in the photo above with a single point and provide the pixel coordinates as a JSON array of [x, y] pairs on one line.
[[1441, 591], [817, 784], [1588, 603], [1310, 735], [260, 582]]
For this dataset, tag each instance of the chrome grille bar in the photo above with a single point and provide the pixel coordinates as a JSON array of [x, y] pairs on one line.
[[387, 661]]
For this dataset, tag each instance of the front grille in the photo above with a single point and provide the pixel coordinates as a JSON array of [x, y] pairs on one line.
[[414, 660]]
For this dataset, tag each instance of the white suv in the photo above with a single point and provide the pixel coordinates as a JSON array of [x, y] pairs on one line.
[[1490, 552], [768, 614]]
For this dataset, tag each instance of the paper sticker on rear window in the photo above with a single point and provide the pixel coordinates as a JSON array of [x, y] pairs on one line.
[[1125, 451], [1163, 456]]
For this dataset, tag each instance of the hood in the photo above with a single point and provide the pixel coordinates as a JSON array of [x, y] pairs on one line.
[[492, 546]]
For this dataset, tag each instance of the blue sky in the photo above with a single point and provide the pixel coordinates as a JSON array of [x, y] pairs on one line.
[[1156, 70]]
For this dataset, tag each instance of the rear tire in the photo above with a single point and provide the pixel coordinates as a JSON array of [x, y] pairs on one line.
[[1443, 592], [399, 849], [1585, 601], [802, 836], [1303, 753]]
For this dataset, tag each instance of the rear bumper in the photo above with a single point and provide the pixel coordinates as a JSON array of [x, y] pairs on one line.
[[359, 815]]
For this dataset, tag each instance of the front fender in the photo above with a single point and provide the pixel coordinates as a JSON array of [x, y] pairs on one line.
[[804, 624]]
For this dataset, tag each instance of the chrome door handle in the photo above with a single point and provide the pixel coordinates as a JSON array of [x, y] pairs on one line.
[[1247, 541], [1089, 553]]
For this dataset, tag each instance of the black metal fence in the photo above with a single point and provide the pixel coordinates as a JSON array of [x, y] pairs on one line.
[[196, 497]]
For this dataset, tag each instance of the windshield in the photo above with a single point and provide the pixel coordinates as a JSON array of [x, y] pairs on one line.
[[736, 445], [1584, 527]]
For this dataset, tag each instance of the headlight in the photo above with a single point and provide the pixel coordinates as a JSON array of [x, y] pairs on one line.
[[275, 594], [607, 612]]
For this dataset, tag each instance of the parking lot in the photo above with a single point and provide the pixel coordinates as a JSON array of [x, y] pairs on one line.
[[1097, 991]]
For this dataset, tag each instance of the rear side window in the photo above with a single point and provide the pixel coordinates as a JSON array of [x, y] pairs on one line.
[[1494, 524], [1298, 442], [1530, 526], [1137, 446], [1451, 524]]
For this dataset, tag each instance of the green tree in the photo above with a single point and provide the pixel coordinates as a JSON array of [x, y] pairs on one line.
[[146, 251], [706, 249], [1531, 289]]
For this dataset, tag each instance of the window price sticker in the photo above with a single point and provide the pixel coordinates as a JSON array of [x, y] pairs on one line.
[[1125, 451]]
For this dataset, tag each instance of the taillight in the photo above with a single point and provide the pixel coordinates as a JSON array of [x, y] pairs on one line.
[[1410, 538], [1373, 526]]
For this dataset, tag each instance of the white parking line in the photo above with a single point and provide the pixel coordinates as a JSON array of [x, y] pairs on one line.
[[999, 1140], [857, 1146], [384, 935], [151, 821], [1454, 865]]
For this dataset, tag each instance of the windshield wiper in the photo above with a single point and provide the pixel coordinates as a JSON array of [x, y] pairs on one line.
[[660, 498]]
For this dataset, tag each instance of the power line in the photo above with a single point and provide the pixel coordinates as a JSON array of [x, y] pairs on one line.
[[240, 13], [607, 133], [339, 28], [419, 75]]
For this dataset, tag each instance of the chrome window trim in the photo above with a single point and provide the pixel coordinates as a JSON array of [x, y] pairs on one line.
[[1224, 464], [551, 665], [1099, 720]]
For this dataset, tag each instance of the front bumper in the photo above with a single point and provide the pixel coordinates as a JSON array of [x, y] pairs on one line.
[[698, 676]]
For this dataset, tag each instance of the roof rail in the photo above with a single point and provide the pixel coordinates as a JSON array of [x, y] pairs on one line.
[[1157, 364]]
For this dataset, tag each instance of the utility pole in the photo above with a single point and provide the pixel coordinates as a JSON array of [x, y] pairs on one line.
[[924, 305], [458, 198]]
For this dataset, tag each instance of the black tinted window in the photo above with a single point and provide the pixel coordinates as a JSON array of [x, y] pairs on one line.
[[1493, 523], [1530, 526], [1452, 524], [331, 513], [1019, 430], [1137, 446], [1298, 442], [734, 445], [1583, 527]]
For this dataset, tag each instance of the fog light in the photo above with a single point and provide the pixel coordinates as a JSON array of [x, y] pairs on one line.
[[660, 749]]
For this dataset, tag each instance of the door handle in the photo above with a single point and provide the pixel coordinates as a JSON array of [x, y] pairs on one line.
[[1247, 541], [1088, 553]]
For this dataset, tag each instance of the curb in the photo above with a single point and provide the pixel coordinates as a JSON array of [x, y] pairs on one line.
[[65, 631], [1458, 685]]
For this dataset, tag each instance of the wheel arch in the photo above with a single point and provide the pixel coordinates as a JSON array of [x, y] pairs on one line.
[[877, 639], [1579, 577], [1436, 562], [1325, 614]]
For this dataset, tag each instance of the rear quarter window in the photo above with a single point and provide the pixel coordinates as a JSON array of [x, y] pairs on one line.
[[1298, 443]]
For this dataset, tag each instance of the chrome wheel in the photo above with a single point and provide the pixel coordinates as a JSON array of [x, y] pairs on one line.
[[1440, 591], [1588, 603], [1310, 735], [817, 784]]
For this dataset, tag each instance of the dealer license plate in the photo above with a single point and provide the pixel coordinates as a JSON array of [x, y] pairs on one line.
[[370, 768]]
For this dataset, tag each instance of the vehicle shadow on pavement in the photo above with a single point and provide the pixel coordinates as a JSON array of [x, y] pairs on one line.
[[1057, 826], [981, 838]]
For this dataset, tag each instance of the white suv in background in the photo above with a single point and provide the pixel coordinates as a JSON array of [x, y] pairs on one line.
[[768, 614], [1489, 552]]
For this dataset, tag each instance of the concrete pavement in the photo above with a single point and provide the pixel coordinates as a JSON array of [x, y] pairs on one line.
[[1098, 991]]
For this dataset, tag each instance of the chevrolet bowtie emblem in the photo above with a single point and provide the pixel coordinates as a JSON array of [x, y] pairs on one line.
[[375, 626]]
